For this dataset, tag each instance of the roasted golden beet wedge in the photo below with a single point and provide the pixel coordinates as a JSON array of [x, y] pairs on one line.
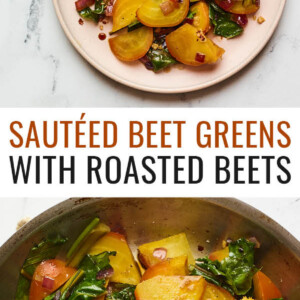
[[173, 246], [190, 47], [201, 18], [240, 7], [153, 14], [125, 269], [170, 288], [264, 288], [132, 45], [124, 13], [213, 292], [177, 266]]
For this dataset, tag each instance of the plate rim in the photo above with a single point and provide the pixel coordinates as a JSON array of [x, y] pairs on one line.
[[144, 88]]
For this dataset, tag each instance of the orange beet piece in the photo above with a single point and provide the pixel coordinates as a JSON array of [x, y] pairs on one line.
[[264, 288], [53, 269]]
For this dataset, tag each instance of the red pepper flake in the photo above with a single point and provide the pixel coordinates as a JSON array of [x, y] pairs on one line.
[[80, 21], [102, 36], [200, 57]]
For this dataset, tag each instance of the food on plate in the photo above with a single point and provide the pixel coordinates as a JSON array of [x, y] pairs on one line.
[[200, 16], [100, 265], [132, 45], [190, 47], [162, 13], [243, 7], [161, 33]]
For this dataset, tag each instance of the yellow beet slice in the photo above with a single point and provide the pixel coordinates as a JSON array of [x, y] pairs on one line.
[[132, 45], [125, 269], [219, 254], [170, 267], [190, 47], [241, 7], [201, 18], [170, 288], [213, 292], [173, 246], [151, 14], [124, 13]]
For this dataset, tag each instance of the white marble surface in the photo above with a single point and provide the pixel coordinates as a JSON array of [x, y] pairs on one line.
[[39, 67], [284, 211]]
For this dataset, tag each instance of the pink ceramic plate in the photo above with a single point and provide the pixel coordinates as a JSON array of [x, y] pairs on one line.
[[239, 52]]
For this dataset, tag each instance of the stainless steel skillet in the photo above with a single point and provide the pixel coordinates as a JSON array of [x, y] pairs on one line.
[[206, 221]]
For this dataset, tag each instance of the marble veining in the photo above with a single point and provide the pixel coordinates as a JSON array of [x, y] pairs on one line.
[[50, 73], [33, 29], [55, 62]]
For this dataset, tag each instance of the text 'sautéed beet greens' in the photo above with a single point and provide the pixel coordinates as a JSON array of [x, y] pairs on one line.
[[161, 33], [99, 265]]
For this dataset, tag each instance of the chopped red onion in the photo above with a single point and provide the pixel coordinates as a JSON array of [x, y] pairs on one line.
[[226, 4], [242, 20], [48, 283], [107, 273], [160, 253], [82, 4], [109, 8], [200, 57], [189, 21], [146, 62]]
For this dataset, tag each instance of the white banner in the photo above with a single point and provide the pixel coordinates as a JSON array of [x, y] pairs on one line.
[[149, 152]]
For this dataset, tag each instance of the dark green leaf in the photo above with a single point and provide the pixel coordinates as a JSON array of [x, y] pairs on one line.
[[94, 14], [91, 265], [239, 266], [228, 29], [217, 280], [99, 7], [191, 15], [47, 249], [89, 14], [237, 269], [90, 287], [87, 290], [223, 23], [160, 59], [67, 287], [122, 292]]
